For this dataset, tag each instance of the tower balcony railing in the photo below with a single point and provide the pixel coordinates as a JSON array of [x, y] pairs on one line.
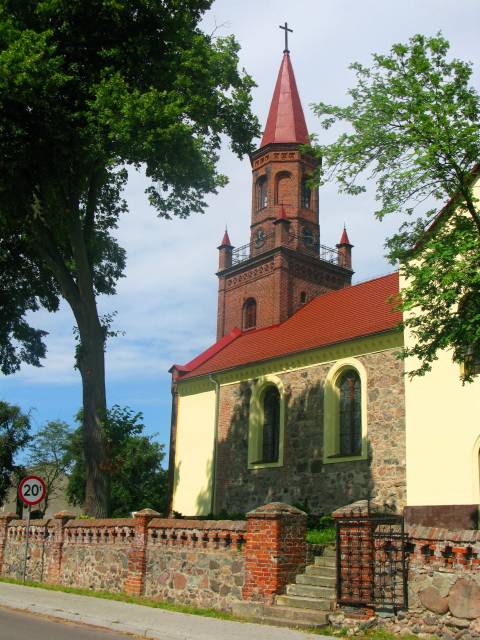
[[293, 241]]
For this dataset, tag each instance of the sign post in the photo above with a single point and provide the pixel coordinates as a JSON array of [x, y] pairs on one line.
[[31, 491]]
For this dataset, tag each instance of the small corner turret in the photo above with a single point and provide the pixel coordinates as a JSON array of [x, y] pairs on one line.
[[225, 249], [345, 250]]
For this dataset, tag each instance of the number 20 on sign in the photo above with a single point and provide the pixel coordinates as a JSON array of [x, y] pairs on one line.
[[31, 490]]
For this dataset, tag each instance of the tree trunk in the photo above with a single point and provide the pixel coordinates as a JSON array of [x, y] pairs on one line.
[[91, 362]]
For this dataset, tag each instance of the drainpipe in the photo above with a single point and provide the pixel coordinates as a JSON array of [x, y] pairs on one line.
[[215, 440]]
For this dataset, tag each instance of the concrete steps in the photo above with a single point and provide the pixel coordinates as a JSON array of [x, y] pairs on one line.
[[306, 603], [280, 616]]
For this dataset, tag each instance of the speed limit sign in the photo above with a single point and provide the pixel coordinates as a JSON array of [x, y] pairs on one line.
[[32, 490]]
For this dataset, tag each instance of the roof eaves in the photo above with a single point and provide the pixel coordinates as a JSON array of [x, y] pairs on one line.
[[208, 353], [298, 351]]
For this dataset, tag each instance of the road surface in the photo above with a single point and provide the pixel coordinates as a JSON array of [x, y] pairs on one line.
[[18, 625]]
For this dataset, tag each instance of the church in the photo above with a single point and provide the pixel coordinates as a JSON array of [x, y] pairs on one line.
[[303, 398]]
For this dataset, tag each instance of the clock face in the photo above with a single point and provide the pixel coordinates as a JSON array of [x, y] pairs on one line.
[[307, 236], [259, 238]]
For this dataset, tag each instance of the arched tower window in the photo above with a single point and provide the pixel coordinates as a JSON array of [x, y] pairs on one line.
[[250, 314], [306, 194], [271, 424], [261, 195], [350, 413], [283, 191]]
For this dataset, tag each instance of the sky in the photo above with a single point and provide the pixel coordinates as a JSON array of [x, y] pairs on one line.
[[166, 304]]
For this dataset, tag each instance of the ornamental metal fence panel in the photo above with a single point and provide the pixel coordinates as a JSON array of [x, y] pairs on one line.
[[372, 562]]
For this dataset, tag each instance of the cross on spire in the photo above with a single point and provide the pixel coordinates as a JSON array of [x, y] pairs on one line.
[[286, 29]]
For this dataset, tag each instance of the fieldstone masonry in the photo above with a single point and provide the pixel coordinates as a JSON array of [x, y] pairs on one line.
[[304, 478], [207, 563], [443, 585]]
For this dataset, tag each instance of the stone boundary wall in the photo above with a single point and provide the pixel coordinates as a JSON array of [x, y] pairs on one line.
[[443, 585], [206, 563]]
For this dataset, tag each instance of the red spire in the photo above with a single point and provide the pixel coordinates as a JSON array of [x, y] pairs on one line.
[[285, 122], [226, 240], [344, 239], [283, 214]]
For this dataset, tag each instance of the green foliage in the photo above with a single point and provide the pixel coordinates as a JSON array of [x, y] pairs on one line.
[[137, 478], [47, 455], [415, 130], [321, 536], [87, 88], [14, 436]]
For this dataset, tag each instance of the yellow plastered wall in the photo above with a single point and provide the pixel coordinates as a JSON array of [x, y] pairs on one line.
[[442, 433], [192, 493]]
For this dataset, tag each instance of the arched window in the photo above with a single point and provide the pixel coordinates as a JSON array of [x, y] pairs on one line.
[[261, 193], [249, 314], [266, 423], [283, 188], [345, 412], [271, 425], [350, 413], [306, 194], [303, 297]]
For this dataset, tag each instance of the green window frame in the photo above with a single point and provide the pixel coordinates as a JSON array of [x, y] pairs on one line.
[[345, 412], [266, 430]]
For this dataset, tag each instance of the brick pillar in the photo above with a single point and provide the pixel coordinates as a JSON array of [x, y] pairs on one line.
[[275, 550], [5, 518], [282, 229], [54, 568], [355, 553], [137, 556]]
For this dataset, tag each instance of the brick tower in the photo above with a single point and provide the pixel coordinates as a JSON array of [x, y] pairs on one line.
[[284, 264]]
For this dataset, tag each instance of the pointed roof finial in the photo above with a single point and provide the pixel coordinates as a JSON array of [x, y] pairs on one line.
[[283, 214], [226, 240], [344, 239], [285, 122], [287, 30]]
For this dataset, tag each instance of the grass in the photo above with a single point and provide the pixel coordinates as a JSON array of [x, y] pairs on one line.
[[321, 536], [121, 597], [371, 634]]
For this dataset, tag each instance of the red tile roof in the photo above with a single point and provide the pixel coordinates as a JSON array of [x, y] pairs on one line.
[[344, 239], [226, 240], [353, 312], [285, 122]]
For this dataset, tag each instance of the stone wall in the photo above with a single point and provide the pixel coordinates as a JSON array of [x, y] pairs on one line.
[[40, 551], [304, 477], [443, 585], [196, 561], [206, 563], [443, 582], [95, 554]]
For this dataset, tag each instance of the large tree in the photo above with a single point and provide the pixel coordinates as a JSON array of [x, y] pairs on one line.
[[87, 89], [413, 126], [138, 480], [14, 436]]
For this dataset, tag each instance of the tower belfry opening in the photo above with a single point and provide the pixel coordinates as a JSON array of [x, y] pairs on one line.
[[284, 261]]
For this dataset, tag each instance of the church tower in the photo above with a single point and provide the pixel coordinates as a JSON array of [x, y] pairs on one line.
[[284, 265]]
